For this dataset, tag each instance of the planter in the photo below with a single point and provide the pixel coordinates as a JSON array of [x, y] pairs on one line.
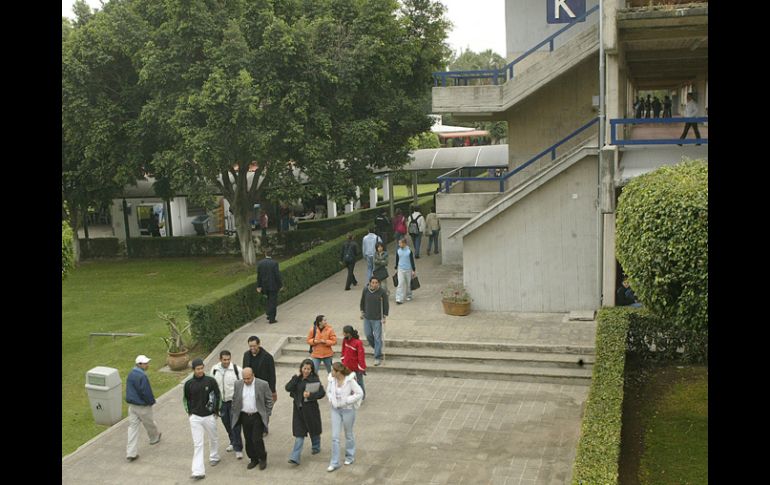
[[457, 309], [178, 360]]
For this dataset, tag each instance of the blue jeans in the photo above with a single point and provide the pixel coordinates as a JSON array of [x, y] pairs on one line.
[[343, 418], [417, 238], [433, 241], [369, 267], [327, 363], [373, 332], [360, 380], [299, 441], [233, 432]]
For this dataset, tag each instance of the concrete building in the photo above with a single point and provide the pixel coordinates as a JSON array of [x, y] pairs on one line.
[[541, 238]]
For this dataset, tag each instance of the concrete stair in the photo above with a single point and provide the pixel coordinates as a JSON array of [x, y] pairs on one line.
[[523, 363]]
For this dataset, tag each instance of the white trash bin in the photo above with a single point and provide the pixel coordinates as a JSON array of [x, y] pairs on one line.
[[105, 394]]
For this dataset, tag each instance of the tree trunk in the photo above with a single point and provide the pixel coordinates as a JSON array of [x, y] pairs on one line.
[[243, 228], [73, 222]]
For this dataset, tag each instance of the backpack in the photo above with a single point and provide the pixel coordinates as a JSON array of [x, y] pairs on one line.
[[348, 254], [235, 367], [414, 228]]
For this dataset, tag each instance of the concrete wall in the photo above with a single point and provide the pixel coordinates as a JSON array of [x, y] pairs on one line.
[[181, 222], [542, 253], [453, 211], [526, 25], [552, 113]]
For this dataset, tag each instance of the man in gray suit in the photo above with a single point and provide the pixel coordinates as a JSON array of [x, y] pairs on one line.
[[251, 408]]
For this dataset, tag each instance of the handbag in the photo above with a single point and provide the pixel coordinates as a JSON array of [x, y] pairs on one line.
[[395, 279], [415, 283]]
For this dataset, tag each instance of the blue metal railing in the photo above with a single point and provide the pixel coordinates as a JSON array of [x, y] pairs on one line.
[[462, 77], [663, 141], [446, 180]]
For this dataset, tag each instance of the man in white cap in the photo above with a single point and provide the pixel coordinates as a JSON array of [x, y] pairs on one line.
[[140, 400]]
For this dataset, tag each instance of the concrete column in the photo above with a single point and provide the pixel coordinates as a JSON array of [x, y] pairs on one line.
[[386, 192], [414, 186], [608, 261], [391, 205], [331, 208], [357, 202], [373, 197]]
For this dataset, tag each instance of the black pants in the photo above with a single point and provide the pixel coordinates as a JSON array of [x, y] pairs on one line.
[[351, 277], [687, 128], [253, 427], [272, 303]]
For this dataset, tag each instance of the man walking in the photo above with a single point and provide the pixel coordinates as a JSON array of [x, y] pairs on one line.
[[261, 363], [226, 373], [432, 228], [201, 400], [382, 224], [367, 249], [252, 406], [269, 283], [140, 400], [374, 311], [348, 257], [416, 226], [690, 111]]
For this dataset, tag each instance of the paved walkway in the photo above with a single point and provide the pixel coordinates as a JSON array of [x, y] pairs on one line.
[[411, 429]]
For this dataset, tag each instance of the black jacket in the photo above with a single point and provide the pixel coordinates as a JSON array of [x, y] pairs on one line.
[[201, 396], [262, 365], [268, 275], [306, 417], [374, 304], [353, 249]]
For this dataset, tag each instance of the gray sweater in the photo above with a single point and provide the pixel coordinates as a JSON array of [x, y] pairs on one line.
[[374, 304]]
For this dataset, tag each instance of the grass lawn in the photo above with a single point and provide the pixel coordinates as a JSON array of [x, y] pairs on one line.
[[124, 296], [665, 426], [422, 189]]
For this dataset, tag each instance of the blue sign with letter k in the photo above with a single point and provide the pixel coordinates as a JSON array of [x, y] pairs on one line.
[[564, 11]]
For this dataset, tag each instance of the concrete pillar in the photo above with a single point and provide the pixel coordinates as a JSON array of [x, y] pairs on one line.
[[357, 202], [331, 208], [414, 186], [386, 192], [391, 205], [373, 197]]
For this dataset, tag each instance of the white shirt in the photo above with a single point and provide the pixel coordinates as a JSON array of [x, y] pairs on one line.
[[691, 109], [419, 219], [249, 398], [368, 244], [225, 377]]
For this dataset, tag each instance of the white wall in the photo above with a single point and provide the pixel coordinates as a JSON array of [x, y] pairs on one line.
[[541, 254]]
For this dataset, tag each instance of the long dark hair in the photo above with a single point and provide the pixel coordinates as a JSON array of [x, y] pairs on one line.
[[352, 331], [318, 319], [312, 367]]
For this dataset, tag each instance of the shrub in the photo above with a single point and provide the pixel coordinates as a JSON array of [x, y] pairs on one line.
[[183, 246], [598, 450], [67, 250], [651, 338], [662, 242], [101, 247]]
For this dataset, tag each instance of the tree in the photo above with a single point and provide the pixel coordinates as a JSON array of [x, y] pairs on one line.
[[67, 250], [242, 95], [662, 242]]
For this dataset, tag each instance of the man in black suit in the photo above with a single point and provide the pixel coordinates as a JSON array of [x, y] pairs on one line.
[[269, 283]]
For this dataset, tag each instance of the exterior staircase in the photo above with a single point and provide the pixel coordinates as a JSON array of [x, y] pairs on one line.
[[570, 365]]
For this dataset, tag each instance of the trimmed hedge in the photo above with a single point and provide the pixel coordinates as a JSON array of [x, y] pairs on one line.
[[220, 312], [662, 242], [101, 247], [655, 339], [183, 246], [598, 450], [67, 250]]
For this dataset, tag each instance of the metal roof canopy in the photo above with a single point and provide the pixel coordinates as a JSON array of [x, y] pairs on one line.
[[449, 158]]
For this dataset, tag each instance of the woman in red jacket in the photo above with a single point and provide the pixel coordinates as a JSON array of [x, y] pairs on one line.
[[353, 355]]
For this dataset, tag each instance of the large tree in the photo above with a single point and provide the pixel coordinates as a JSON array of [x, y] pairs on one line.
[[332, 88]]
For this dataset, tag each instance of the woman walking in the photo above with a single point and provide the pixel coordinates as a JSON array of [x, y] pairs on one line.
[[381, 265], [344, 397], [406, 271], [306, 389], [353, 355], [399, 225], [321, 338]]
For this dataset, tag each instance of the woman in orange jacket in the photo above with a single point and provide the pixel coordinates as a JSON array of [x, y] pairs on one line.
[[321, 338]]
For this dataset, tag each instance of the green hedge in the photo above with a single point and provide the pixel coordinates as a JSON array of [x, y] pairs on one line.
[[655, 339], [183, 246], [67, 250], [217, 314], [598, 452], [662, 242], [101, 247]]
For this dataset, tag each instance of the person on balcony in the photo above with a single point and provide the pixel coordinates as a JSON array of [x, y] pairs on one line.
[[690, 111]]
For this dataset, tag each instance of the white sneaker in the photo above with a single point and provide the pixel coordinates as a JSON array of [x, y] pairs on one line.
[[239, 455], [330, 469], [377, 362], [229, 448], [408, 298], [348, 461]]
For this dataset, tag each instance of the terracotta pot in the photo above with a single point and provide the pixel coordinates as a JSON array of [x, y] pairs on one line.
[[457, 309], [178, 360]]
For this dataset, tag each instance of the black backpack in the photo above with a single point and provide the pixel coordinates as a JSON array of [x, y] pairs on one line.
[[414, 228], [235, 367], [348, 254]]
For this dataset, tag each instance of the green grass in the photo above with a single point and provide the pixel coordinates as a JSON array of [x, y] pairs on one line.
[[676, 431], [401, 190], [125, 296]]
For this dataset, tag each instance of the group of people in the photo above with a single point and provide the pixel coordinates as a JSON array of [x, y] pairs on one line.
[[651, 107], [243, 397]]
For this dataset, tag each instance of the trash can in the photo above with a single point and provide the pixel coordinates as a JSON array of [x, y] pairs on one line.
[[105, 394], [201, 225]]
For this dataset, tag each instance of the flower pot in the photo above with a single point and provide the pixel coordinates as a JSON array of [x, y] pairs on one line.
[[178, 360], [457, 309]]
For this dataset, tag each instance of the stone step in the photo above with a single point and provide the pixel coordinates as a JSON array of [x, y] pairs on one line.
[[467, 370], [298, 351], [481, 346]]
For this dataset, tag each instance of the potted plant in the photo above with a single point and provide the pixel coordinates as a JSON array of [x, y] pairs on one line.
[[456, 300], [178, 357]]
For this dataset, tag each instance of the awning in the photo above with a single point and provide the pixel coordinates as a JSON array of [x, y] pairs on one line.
[[463, 134]]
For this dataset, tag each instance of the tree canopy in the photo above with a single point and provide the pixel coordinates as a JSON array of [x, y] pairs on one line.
[[200, 92]]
